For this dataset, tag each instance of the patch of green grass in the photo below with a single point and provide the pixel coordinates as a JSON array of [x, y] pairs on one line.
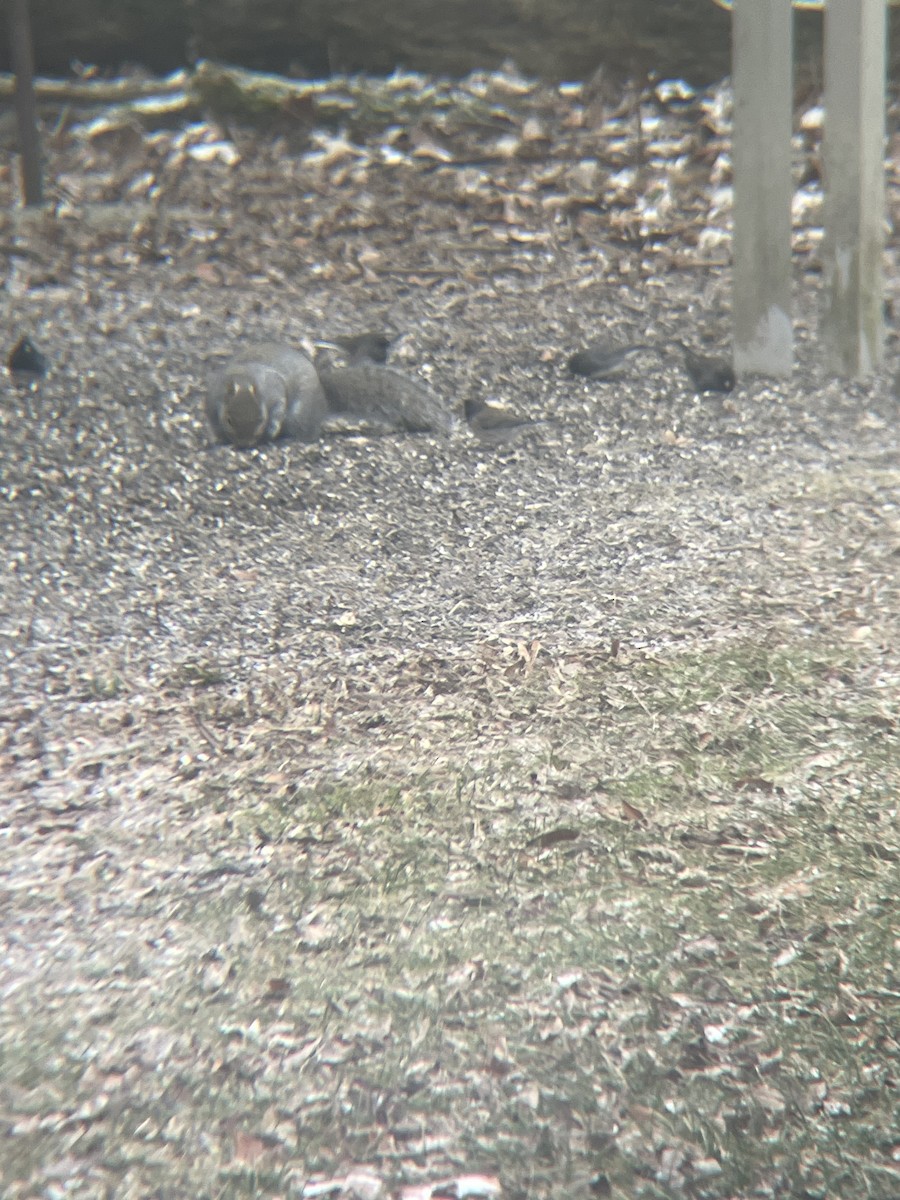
[[199, 675], [405, 969], [103, 686]]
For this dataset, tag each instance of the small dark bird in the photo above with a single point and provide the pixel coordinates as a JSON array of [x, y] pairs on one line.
[[707, 374], [366, 347], [603, 361], [26, 359], [494, 425]]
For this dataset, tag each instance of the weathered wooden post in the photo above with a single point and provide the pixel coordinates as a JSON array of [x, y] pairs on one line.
[[762, 76], [855, 67], [26, 109]]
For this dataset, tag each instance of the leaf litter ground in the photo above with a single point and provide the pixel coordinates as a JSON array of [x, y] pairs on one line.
[[398, 812]]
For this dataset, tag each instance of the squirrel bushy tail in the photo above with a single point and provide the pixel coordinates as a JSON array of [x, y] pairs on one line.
[[384, 396]]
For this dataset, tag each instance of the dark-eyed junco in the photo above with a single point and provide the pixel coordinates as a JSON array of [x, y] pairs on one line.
[[26, 359], [495, 425], [372, 346], [708, 374], [603, 361]]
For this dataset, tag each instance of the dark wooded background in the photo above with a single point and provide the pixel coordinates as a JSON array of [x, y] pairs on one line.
[[555, 39]]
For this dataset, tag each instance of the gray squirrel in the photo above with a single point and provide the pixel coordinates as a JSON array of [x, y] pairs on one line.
[[270, 391], [266, 392]]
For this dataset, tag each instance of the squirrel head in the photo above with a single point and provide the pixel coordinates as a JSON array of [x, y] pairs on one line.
[[244, 416]]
